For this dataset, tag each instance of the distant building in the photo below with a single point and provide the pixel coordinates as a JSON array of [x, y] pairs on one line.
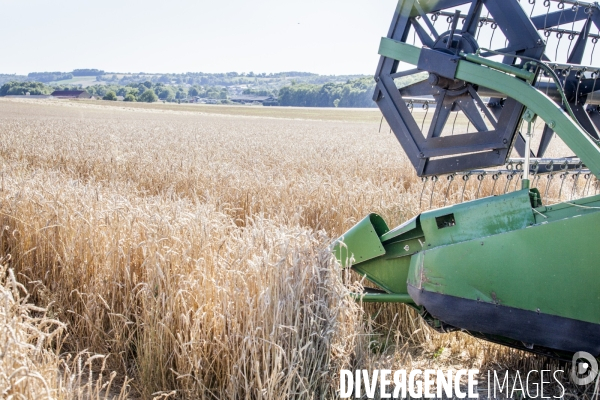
[[71, 94]]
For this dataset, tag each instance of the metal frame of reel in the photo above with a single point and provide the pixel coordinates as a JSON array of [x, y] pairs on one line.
[[431, 153]]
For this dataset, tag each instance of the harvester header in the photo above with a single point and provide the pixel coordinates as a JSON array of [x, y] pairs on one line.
[[506, 268]]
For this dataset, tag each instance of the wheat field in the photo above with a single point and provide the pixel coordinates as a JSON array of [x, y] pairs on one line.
[[156, 253]]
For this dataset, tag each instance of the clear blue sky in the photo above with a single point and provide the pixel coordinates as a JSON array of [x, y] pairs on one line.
[[322, 36]]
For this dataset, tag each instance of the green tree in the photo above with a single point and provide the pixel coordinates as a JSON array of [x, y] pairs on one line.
[[125, 90], [166, 94], [193, 91], [181, 94], [87, 72], [110, 95], [148, 96], [21, 88], [353, 93], [129, 97]]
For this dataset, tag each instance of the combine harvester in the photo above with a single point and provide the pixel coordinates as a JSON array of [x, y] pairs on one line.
[[507, 268]]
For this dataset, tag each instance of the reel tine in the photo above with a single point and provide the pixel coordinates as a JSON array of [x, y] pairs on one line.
[[411, 107], [434, 180], [424, 180], [574, 187], [516, 178], [519, 179], [509, 167], [548, 181], [586, 187], [494, 25], [532, 2], [571, 35], [454, 123], [482, 22], [434, 17], [594, 74], [559, 35], [450, 178], [495, 179], [562, 177], [518, 173], [480, 178], [509, 178], [465, 178], [536, 180], [426, 108]]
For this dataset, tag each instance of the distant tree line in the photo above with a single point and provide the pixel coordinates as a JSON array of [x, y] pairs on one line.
[[87, 72], [145, 91], [49, 76], [61, 76], [22, 88], [161, 91], [134, 91], [270, 82], [353, 93], [273, 80], [4, 78]]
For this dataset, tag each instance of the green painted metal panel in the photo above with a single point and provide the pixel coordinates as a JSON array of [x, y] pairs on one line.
[[361, 242], [389, 274], [553, 267], [415, 271], [478, 218], [389, 271], [558, 211], [403, 248], [402, 232]]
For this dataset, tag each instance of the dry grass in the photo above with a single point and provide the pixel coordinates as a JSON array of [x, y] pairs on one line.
[[191, 248], [310, 113]]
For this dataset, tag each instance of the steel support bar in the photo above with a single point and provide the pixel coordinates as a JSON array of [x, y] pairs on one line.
[[400, 51], [509, 69], [382, 298]]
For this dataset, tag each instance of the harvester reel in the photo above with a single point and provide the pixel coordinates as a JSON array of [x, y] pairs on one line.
[[494, 118]]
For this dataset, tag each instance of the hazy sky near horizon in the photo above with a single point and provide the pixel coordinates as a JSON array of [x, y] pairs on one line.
[[322, 36]]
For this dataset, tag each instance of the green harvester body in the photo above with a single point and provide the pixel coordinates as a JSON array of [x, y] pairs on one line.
[[493, 267], [503, 268]]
